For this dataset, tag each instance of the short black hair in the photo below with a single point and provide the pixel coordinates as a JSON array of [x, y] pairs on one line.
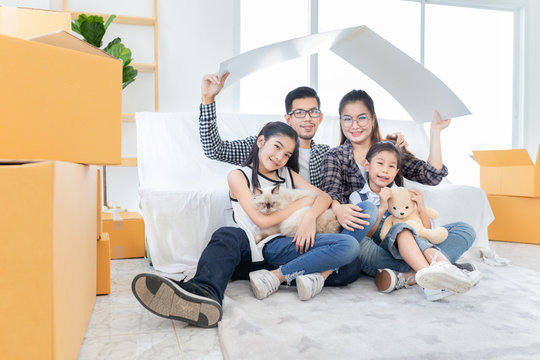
[[301, 92]]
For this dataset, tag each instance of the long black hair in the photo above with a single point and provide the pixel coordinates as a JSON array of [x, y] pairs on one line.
[[403, 155], [273, 128]]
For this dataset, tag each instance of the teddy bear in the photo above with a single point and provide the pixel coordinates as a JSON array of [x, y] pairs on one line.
[[403, 209]]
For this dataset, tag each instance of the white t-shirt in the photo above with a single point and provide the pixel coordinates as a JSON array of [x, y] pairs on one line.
[[303, 161]]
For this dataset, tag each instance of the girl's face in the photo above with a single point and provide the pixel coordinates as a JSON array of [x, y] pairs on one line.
[[274, 152], [356, 122], [382, 168]]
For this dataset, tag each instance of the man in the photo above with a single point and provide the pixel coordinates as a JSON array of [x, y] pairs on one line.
[[228, 256], [303, 114]]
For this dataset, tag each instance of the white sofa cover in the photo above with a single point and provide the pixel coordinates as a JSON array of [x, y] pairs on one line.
[[184, 195]]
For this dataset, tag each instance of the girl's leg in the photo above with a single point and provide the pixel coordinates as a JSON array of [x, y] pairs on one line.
[[461, 236], [409, 250]]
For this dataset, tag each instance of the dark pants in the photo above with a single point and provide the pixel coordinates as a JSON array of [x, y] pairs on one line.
[[228, 257]]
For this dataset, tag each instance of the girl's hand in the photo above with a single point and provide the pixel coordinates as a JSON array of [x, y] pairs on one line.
[[350, 216], [438, 125], [400, 140], [385, 195], [305, 235], [418, 198], [211, 86]]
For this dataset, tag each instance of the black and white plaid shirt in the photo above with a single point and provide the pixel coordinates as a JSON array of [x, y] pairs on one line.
[[236, 151], [341, 175]]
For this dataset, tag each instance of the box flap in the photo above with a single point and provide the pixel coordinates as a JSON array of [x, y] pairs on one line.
[[515, 157], [65, 40]]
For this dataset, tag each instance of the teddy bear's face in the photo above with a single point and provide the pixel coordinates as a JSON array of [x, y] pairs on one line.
[[400, 204]]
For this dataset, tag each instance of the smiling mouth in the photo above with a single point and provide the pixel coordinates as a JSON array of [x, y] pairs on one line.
[[382, 178]]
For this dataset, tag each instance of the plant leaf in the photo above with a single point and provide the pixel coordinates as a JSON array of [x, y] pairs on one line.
[[109, 21], [114, 41], [93, 32], [128, 75], [119, 51]]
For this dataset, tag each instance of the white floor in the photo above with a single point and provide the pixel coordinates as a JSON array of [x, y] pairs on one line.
[[120, 328]]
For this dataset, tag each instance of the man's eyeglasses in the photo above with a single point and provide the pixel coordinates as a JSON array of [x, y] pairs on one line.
[[301, 113], [361, 120]]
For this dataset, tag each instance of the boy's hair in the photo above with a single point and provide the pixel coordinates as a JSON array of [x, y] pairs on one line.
[[301, 92], [273, 128], [360, 95], [401, 154]]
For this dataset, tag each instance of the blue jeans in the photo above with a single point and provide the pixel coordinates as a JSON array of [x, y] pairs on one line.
[[389, 241], [372, 256], [373, 212], [329, 252], [228, 257]]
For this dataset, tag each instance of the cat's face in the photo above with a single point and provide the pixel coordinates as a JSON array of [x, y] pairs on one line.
[[267, 200]]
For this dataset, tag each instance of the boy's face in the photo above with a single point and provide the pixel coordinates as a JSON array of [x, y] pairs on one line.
[[305, 127]]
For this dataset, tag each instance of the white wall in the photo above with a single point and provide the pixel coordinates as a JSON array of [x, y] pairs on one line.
[[532, 79]]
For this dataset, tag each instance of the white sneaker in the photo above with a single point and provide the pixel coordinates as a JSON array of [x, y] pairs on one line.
[[263, 283], [388, 280], [443, 275], [434, 295], [309, 285], [471, 271]]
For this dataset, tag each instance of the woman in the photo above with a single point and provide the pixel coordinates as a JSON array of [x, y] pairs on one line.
[[343, 173]]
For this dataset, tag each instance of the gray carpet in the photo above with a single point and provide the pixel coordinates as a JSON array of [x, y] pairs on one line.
[[497, 319]]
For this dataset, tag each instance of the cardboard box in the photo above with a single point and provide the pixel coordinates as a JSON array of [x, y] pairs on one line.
[[515, 219], [103, 281], [48, 282], [509, 172], [126, 231], [98, 206], [61, 100], [24, 22]]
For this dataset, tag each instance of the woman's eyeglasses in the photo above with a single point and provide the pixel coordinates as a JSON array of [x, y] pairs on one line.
[[361, 120]]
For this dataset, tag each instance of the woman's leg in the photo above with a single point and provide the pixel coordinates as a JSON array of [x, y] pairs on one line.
[[373, 212]]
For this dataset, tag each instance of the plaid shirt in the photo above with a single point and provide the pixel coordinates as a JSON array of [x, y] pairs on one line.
[[236, 151], [341, 175]]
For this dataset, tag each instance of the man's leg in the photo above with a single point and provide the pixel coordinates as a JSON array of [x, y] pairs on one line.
[[197, 301]]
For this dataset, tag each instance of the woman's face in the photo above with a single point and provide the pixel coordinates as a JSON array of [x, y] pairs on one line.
[[356, 122], [274, 152]]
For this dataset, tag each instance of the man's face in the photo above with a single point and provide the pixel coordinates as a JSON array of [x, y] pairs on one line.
[[306, 127]]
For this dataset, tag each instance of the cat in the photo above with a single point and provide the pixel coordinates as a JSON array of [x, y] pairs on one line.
[[273, 198]]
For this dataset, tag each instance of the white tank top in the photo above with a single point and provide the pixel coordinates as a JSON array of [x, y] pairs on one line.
[[242, 218]]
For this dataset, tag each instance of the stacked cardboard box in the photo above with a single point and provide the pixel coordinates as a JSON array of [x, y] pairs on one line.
[[126, 231], [512, 183], [60, 114]]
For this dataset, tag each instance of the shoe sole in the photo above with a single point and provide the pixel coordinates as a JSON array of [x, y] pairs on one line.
[[384, 281], [439, 296], [437, 280], [170, 301]]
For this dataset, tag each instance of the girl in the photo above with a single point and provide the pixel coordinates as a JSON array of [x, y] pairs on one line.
[[307, 257], [343, 173], [382, 165]]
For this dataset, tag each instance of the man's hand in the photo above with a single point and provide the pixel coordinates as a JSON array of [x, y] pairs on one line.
[[211, 86]]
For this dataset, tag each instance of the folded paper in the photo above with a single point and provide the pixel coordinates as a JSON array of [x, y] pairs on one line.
[[418, 90]]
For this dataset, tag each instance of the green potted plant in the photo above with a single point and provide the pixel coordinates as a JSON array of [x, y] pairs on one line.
[[93, 28]]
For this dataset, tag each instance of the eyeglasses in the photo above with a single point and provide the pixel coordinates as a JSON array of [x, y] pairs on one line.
[[361, 120], [301, 113]]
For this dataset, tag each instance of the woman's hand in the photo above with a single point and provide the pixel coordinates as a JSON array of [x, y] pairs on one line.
[[305, 235], [400, 140], [211, 86], [385, 195], [438, 125], [350, 216], [418, 198]]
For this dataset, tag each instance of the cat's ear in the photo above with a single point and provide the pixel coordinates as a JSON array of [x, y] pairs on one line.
[[275, 190], [257, 191]]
